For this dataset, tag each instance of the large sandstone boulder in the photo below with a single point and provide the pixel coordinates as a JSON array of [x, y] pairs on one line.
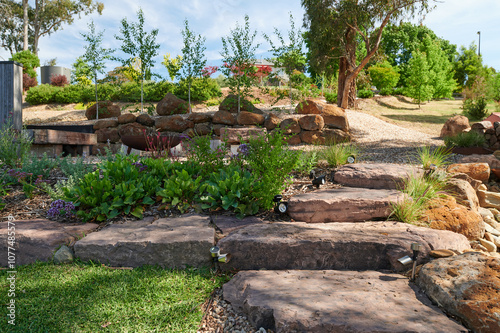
[[352, 246], [455, 125], [224, 118], [312, 137], [145, 119], [335, 117], [39, 239], [492, 161], [105, 123], [107, 109], [334, 301], [272, 121], [488, 199], [199, 118], [109, 134], [135, 129], [478, 171], [466, 286], [446, 214], [168, 242], [230, 104], [334, 136], [171, 104], [249, 118], [463, 192], [346, 204], [175, 123], [126, 118], [290, 126], [312, 123], [377, 175], [240, 135]]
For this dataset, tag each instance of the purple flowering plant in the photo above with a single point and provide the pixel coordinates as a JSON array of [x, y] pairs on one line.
[[61, 208], [26, 180]]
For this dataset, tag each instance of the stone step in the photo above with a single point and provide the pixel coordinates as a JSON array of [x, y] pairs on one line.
[[346, 204], [39, 239], [335, 301], [376, 175], [316, 246], [167, 242]]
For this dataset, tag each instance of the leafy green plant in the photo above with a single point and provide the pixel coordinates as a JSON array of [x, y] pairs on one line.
[[199, 151], [475, 108], [437, 156], [232, 188], [75, 168], [3, 190], [336, 154], [42, 94], [29, 60], [420, 190], [465, 139], [119, 186], [365, 93], [14, 146], [39, 165], [202, 89], [270, 161], [331, 97], [26, 180], [57, 190], [306, 161], [181, 190], [384, 76]]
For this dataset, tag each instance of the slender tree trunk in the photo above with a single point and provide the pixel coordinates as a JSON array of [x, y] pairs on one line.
[[189, 96], [96, 98], [346, 96], [142, 94], [36, 26], [25, 25]]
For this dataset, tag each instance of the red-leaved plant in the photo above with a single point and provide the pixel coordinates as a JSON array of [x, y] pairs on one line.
[[58, 80]]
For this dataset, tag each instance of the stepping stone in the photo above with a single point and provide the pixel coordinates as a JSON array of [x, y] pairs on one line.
[[378, 175], [466, 286], [334, 301], [346, 204], [39, 239], [168, 242], [349, 246]]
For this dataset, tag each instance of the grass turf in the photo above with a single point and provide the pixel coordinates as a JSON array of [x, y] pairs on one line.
[[85, 297]]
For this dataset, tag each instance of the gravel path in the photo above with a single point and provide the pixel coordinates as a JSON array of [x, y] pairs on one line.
[[381, 141]]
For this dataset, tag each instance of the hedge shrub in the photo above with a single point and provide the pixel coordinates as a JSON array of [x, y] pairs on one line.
[[201, 89]]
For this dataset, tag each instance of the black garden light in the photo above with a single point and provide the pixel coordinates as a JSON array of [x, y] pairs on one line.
[[317, 181], [406, 260], [280, 207]]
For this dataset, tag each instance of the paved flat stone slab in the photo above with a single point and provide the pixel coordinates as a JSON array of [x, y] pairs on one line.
[[39, 239], [350, 246], [377, 175], [346, 204], [467, 286], [168, 242], [335, 301]]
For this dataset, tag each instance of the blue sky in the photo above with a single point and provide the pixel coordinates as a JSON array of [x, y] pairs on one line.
[[455, 20]]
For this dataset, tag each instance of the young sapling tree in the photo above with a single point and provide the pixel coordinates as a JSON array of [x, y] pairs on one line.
[[139, 44], [95, 56]]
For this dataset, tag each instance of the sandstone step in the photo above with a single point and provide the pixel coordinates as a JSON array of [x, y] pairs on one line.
[[377, 175], [346, 204], [334, 301], [350, 246], [168, 242], [39, 239]]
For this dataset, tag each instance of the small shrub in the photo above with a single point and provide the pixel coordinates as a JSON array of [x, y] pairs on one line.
[[386, 91], [437, 156], [42, 94], [306, 162], [181, 190], [465, 139], [29, 60], [69, 94], [420, 191], [365, 93], [213, 102], [337, 154], [199, 151], [331, 97], [28, 82], [15, 146], [232, 188], [202, 89], [59, 80], [475, 109], [39, 166]]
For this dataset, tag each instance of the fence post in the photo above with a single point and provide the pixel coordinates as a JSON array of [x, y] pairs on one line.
[[11, 93]]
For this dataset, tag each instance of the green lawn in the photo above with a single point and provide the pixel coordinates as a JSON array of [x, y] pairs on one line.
[[92, 298]]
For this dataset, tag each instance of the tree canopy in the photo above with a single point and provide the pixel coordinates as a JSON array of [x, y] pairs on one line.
[[45, 18], [335, 25]]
